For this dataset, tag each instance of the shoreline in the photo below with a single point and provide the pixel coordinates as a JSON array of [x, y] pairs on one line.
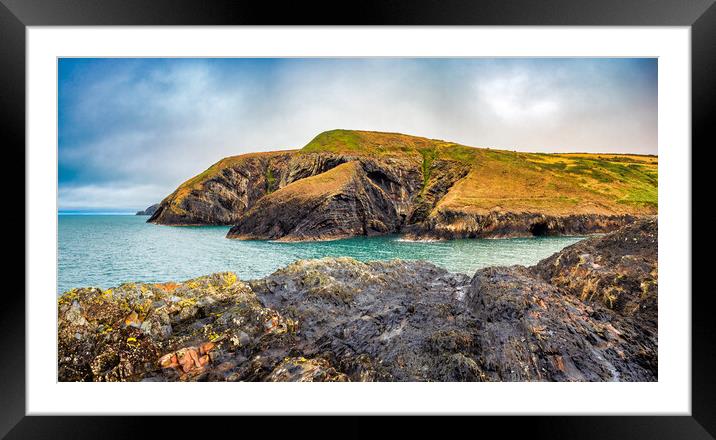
[[523, 227], [334, 318]]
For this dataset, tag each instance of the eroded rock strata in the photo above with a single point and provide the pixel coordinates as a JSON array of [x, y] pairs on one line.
[[588, 313]]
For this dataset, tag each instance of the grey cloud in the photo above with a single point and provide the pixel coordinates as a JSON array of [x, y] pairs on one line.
[[162, 129]]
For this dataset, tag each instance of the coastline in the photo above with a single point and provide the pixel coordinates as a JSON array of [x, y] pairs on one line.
[[343, 320]]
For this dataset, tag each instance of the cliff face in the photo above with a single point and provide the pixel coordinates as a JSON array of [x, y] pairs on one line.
[[342, 320], [221, 194], [362, 196], [424, 188]]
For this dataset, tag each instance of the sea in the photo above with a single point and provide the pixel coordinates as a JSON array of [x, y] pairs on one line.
[[107, 250]]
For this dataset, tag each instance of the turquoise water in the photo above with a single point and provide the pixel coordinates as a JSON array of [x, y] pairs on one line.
[[107, 250]]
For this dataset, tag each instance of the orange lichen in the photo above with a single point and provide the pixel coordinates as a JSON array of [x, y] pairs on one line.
[[167, 287]]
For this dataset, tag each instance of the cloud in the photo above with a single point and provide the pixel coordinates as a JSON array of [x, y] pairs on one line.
[[512, 100], [131, 130], [107, 197]]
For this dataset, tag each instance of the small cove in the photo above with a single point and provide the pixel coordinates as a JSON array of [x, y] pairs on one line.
[[107, 250]]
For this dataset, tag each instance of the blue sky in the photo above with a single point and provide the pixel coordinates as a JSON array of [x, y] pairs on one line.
[[131, 130]]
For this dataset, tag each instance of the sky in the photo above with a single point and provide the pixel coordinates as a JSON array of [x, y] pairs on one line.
[[131, 130]]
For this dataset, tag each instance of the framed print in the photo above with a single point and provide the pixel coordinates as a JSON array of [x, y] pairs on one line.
[[240, 216]]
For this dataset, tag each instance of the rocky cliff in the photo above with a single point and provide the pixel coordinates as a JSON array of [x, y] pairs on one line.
[[149, 211], [588, 313], [346, 183]]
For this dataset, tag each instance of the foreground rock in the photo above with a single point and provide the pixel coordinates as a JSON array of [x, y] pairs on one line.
[[618, 273], [343, 320], [346, 183]]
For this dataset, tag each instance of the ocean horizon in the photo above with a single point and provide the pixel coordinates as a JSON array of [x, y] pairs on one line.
[[97, 212]]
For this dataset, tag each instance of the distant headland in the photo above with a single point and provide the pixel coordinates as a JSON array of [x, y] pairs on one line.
[[348, 183]]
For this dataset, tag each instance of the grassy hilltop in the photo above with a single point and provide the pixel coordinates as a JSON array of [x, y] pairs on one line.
[[554, 183]]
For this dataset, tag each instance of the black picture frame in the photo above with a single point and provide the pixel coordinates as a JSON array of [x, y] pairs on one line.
[[16, 15]]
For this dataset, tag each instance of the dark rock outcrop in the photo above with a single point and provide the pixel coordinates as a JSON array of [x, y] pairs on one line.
[[448, 225], [537, 332], [618, 272], [343, 320], [149, 211]]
